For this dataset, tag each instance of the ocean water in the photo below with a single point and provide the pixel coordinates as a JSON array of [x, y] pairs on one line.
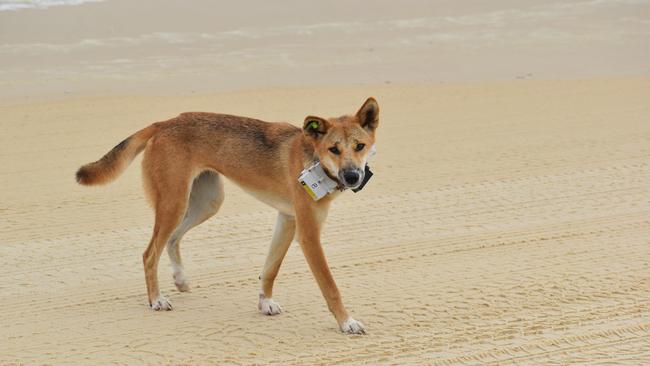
[[13, 5], [215, 47]]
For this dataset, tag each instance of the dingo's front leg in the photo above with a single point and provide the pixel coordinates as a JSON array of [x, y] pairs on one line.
[[285, 229], [309, 229]]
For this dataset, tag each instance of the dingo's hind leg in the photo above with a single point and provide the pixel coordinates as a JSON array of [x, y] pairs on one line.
[[167, 181], [205, 200], [169, 213]]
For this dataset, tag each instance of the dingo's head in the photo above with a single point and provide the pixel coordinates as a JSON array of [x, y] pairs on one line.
[[342, 144]]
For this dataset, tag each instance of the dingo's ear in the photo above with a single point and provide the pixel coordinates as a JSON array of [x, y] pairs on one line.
[[315, 127], [369, 114]]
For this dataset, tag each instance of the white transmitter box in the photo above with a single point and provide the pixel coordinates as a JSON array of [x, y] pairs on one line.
[[316, 182]]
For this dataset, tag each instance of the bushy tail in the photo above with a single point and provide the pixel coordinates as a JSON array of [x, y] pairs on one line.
[[111, 165]]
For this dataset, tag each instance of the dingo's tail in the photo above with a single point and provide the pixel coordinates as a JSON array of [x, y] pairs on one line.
[[111, 165]]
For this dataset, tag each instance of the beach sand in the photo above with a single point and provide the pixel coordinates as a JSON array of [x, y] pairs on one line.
[[507, 223]]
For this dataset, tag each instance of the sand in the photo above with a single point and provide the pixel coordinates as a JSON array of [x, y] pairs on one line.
[[508, 220], [507, 223]]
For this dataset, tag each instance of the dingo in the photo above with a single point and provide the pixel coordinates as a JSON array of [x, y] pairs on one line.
[[184, 158]]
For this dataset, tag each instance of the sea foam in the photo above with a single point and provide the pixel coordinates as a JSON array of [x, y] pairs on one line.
[[12, 5]]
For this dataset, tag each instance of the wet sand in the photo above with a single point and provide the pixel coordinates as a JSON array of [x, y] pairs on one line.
[[171, 47]]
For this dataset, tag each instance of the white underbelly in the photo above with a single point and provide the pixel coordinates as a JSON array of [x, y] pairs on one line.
[[279, 203]]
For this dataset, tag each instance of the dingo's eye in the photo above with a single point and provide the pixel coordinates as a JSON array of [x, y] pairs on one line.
[[335, 150], [360, 147]]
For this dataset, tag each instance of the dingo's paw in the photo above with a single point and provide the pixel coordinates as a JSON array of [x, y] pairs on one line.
[[182, 287], [352, 326], [161, 303], [181, 282], [268, 306]]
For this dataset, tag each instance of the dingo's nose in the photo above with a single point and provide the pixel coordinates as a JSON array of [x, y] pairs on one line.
[[351, 177]]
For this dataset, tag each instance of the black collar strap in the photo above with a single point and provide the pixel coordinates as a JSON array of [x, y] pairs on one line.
[[366, 177]]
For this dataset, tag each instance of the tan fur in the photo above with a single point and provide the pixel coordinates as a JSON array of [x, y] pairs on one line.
[[185, 157], [115, 161]]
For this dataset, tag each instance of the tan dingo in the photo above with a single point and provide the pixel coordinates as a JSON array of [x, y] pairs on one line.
[[185, 157]]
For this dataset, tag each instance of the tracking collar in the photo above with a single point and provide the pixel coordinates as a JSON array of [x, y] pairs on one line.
[[318, 183]]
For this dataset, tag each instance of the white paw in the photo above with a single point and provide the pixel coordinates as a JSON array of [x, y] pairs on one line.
[[182, 287], [268, 306], [180, 281], [161, 303], [352, 326]]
